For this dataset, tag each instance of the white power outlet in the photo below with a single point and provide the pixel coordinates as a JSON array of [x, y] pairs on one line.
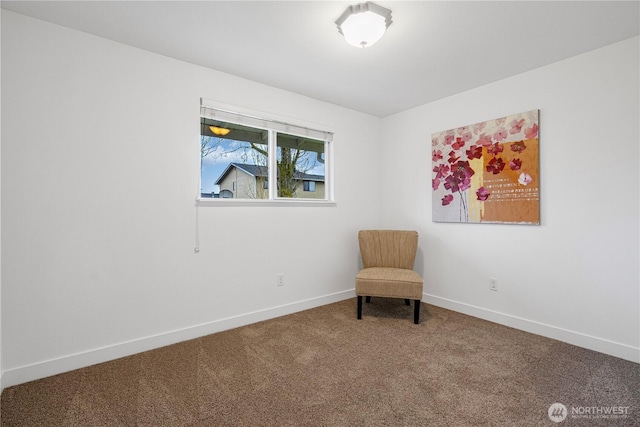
[[493, 284], [280, 279]]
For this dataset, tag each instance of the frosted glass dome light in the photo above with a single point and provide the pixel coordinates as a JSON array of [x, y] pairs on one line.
[[364, 24]]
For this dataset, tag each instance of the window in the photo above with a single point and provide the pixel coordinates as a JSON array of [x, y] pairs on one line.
[[246, 157]]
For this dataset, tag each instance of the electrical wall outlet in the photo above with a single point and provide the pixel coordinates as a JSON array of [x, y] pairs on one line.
[[493, 284], [280, 279]]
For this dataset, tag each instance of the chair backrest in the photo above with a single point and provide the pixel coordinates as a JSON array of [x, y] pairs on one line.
[[388, 248]]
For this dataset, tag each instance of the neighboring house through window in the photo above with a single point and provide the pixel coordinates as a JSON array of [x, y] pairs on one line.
[[252, 182], [245, 157]]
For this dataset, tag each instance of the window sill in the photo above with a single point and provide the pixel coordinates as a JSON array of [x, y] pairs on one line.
[[250, 202]]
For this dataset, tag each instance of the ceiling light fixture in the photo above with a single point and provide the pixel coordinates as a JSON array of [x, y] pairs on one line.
[[219, 131], [364, 24]]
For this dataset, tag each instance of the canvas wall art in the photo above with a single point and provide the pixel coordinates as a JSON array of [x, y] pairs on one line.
[[488, 172]]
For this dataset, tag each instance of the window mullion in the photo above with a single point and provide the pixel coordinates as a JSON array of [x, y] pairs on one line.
[[273, 165], [328, 171]]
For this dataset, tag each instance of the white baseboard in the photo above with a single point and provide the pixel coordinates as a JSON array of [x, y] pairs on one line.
[[51, 367], [47, 368], [601, 345]]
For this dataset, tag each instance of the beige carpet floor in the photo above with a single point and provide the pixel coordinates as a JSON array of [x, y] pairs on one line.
[[322, 367]]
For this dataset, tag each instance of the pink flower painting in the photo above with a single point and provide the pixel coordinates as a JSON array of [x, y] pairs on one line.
[[495, 149], [518, 146], [532, 132], [485, 140], [516, 126], [495, 165], [487, 172], [447, 199], [474, 152], [482, 194], [500, 135], [515, 164]]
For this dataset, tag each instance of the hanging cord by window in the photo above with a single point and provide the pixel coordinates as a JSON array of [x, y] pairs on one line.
[[196, 248]]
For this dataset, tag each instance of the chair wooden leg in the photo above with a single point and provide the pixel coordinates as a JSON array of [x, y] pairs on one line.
[[359, 307], [416, 312], [407, 302], [368, 299]]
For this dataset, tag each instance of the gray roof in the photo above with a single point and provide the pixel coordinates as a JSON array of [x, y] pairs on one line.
[[253, 170], [262, 171]]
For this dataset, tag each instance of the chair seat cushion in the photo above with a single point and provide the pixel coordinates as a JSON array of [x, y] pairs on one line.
[[389, 282]]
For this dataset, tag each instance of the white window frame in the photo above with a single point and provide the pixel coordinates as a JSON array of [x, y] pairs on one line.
[[233, 114]]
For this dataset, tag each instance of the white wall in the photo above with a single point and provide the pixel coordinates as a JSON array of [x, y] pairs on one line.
[[1, 369], [100, 168], [575, 277]]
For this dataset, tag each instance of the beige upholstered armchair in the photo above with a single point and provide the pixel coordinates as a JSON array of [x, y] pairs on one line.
[[387, 259]]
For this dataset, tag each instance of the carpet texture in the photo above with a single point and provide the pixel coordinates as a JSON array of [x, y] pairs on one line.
[[322, 367]]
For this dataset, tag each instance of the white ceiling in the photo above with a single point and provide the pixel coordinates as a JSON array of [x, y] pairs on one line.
[[432, 50]]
